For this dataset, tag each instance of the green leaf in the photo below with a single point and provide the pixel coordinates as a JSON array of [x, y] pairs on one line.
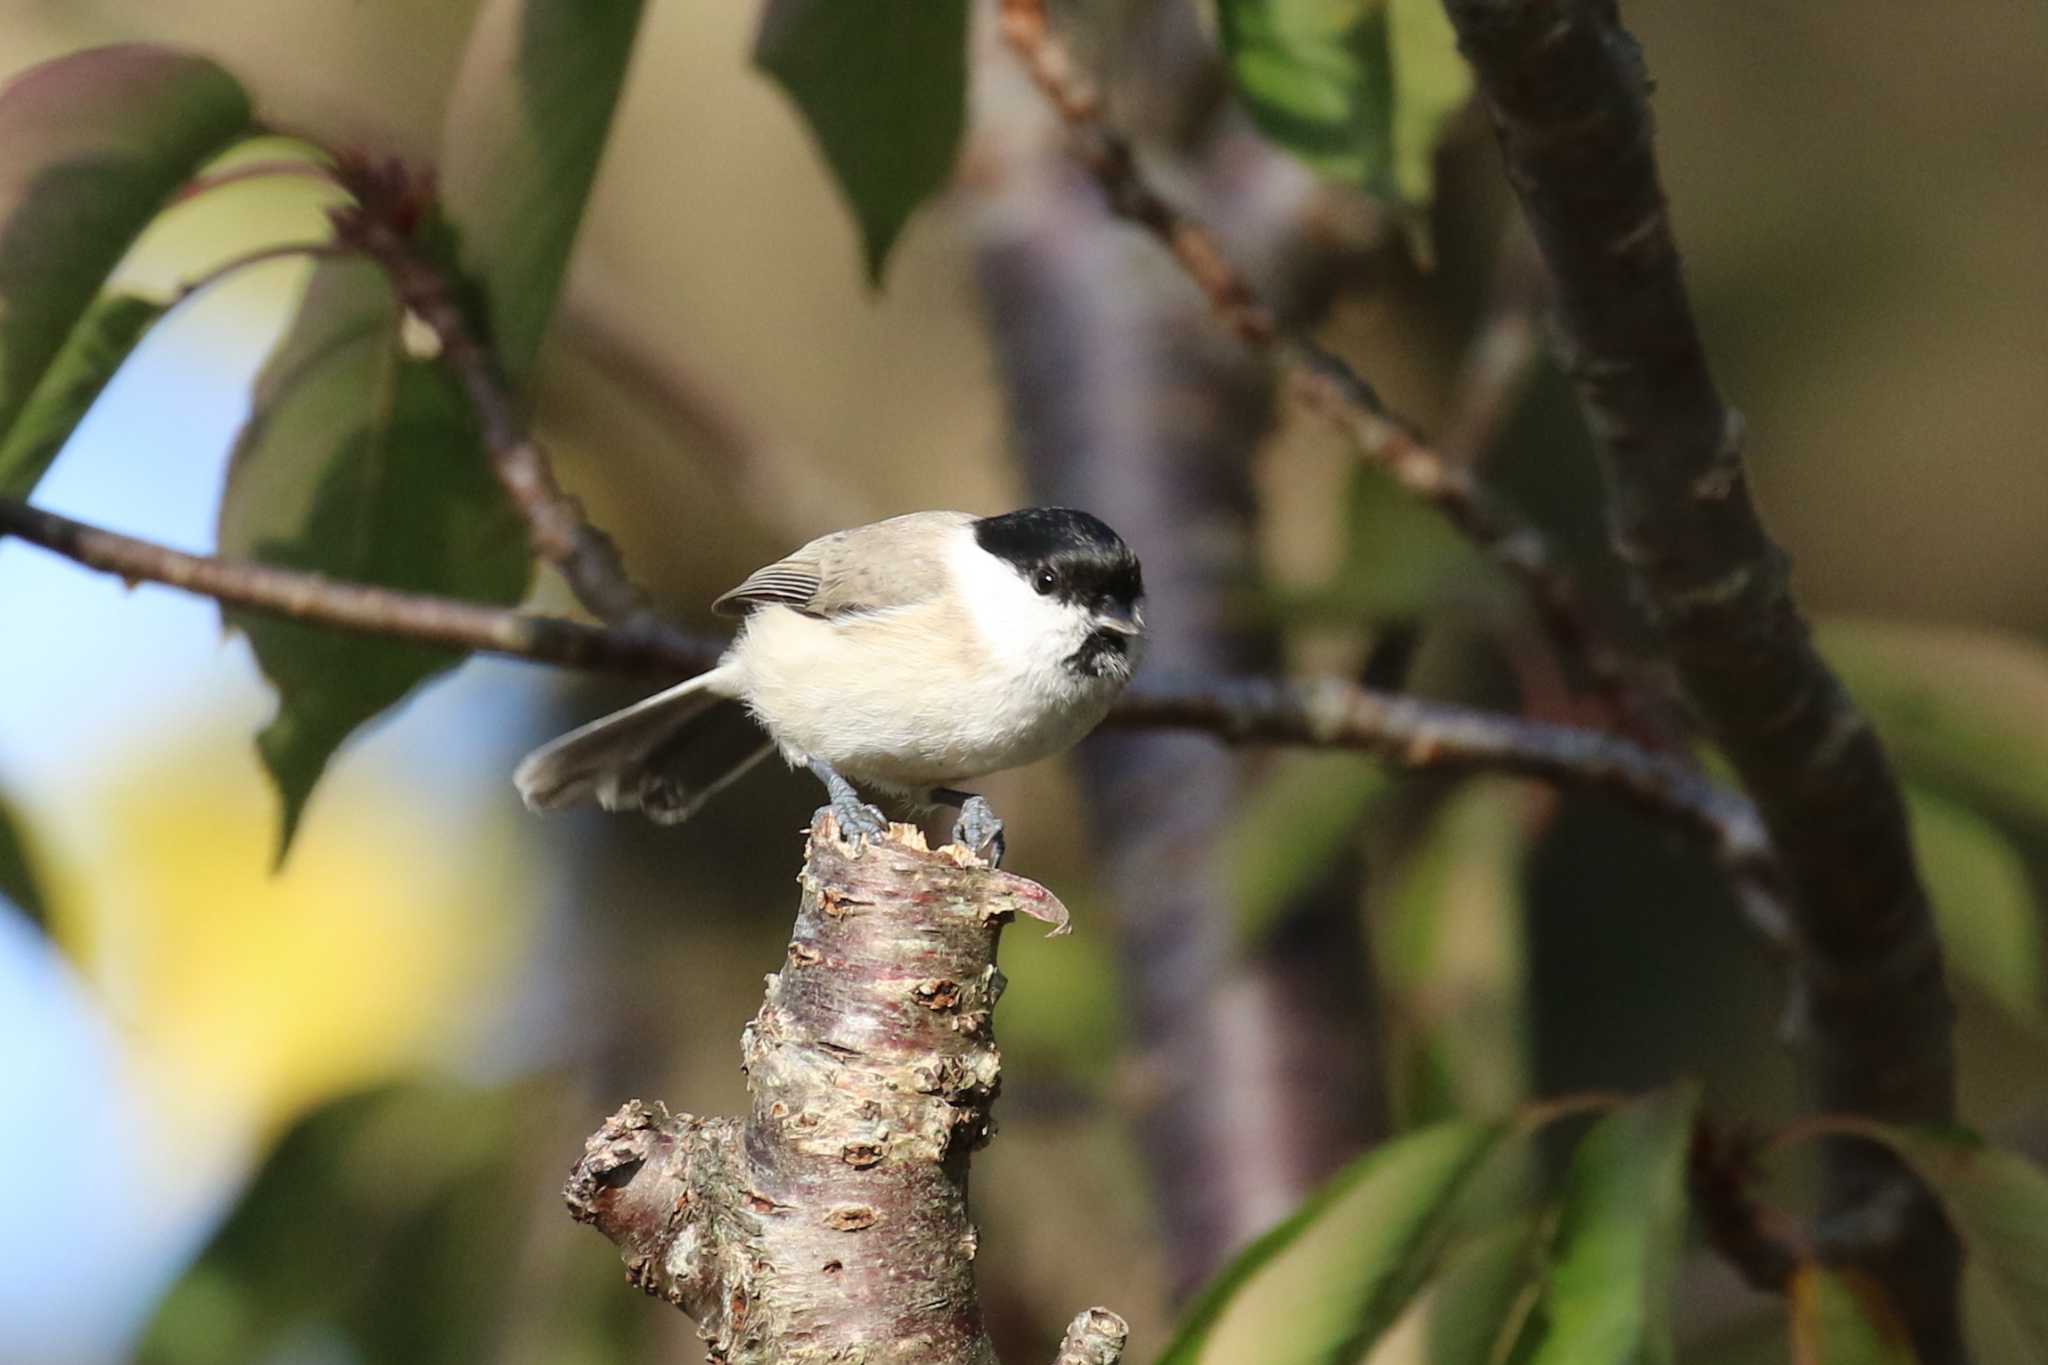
[[363, 464], [1358, 89], [1307, 811], [1327, 1283], [91, 146], [883, 86], [526, 128], [1983, 901], [111, 328], [1842, 1318], [1608, 1301], [1432, 82], [1401, 561], [1997, 1201], [1962, 711], [17, 874], [410, 1187], [1450, 942], [1474, 1312]]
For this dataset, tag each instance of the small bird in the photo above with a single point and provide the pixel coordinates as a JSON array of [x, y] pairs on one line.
[[907, 656]]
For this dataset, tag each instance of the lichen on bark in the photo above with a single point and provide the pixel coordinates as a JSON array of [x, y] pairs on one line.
[[830, 1223]]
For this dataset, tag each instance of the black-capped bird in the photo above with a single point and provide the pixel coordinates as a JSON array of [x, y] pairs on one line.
[[907, 657]]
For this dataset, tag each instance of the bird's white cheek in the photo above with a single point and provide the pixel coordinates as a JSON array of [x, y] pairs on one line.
[[1016, 626]]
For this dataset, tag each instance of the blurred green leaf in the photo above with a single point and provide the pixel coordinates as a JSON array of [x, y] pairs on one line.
[[1360, 91], [381, 1222], [1327, 1283], [1962, 711], [1983, 901], [1309, 809], [1474, 1312], [1401, 560], [1842, 1318], [1432, 81], [364, 464], [883, 86], [91, 147], [111, 328], [17, 875], [1997, 1201], [1615, 1258], [526, 128], [1450, 942]]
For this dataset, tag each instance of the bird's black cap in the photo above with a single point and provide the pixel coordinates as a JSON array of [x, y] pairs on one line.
[[1089, 562]]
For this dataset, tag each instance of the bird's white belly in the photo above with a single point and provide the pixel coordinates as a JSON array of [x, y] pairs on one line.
[[907, 702]]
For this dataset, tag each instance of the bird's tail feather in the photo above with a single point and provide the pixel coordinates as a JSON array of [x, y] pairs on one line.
[[624, 761]]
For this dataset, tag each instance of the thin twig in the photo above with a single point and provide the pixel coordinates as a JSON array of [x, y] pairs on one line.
[[364, 610], [1315, 713], [389, 203], [1764, 1244], [253, 170], [1320, 378], [1426, 735]]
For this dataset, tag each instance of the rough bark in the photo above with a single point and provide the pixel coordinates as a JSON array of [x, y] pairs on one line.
[[830, 1223], [1568, 95]]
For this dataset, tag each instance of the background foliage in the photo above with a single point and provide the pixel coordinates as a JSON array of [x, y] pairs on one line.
[[359, 1079]]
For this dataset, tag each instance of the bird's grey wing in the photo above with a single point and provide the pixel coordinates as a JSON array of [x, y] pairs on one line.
[[791, 582], [869, 568]]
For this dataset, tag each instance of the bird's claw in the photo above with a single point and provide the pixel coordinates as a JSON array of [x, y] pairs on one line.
[[859, 822], [979, 831]]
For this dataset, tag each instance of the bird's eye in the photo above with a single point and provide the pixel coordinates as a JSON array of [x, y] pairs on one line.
[[1045, 580]]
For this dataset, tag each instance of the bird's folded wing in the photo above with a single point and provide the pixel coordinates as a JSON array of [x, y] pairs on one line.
[[869, 568]]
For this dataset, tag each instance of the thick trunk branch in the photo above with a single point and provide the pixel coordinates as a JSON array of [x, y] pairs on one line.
[[830, 1223], [1567, 91], [1322, 381]]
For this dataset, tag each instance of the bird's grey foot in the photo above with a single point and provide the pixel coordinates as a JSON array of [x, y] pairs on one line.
[[978, 829], [858, 821]]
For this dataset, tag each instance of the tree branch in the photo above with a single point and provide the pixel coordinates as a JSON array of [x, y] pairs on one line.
[[1567, 92], [1313, 713], [381, 223], [831, 1221], [1262, 1053], [364, 610], [1319, 378]]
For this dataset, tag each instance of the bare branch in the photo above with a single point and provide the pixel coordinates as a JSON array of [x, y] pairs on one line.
[[1566, 88], [1095, 1337], [1314, 713], [364, 610], [1319, 378], [380, 224], [831, 1221]]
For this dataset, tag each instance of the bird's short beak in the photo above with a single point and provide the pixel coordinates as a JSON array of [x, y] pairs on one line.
[[1124, 621]]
